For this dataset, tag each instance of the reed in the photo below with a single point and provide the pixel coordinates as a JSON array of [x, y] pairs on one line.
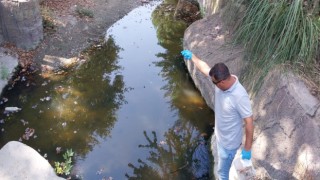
[[278, 32]]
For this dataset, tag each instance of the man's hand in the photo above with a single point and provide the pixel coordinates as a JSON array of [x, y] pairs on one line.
[[246, 154], [186, 54]]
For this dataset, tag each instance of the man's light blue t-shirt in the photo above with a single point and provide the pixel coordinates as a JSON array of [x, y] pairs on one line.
[[231, 107]]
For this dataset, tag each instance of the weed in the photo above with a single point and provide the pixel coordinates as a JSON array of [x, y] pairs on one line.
[[64, 168], [4, 72], [84, 12], [48, 22], [277, 32]]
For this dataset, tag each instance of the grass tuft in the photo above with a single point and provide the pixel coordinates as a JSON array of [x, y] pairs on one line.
[[84, 12], [48, 21], [4, 72], [277, 32]]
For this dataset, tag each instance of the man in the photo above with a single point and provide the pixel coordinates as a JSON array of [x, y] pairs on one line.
[[232, 107]]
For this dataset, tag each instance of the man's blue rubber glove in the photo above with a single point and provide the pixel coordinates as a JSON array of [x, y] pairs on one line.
[[186, 54], [246, 154]]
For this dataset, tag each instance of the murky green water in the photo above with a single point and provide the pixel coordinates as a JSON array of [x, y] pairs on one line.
[[129, 111]]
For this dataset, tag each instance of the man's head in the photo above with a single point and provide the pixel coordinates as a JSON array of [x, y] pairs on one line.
[[219, 73]]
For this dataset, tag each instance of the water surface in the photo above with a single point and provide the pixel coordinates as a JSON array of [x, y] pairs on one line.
[[129, 111]]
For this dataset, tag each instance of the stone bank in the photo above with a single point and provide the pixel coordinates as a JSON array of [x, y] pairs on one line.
[[287, 116]]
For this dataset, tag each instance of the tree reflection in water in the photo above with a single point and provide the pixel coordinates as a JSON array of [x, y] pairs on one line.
[[172, 158], [81, 108], [104, 89], [168, 159]]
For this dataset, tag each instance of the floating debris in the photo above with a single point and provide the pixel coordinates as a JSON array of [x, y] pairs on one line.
[[100, 171], [58, 150], [64, 124], [163, 143], [28, 133], [23, 78], [12, 109], [34, 106], [65, 95], [24, 122], [44, 83], [105, 76], [59, 88], [1, 121], [4, 100], [48, 98]]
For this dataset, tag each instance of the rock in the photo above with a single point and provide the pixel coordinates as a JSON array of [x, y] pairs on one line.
[[187, 11], [19, 161], [21, 23], [287, 127], [201, 160], [8, 63]]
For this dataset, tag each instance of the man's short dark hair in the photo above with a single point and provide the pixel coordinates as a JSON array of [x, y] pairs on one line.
[[219, 72]]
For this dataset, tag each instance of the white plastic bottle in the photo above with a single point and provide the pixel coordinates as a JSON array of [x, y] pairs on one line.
[[12, 109]]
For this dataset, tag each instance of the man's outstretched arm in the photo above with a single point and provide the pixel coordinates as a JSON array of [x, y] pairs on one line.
[[201, 65]]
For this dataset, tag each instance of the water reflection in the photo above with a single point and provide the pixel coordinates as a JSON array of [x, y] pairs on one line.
[[69, 111], [169, 159], [172, 158], [131, 90], [180, 87]]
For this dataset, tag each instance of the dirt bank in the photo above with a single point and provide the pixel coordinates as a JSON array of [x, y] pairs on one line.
[[71, 26]]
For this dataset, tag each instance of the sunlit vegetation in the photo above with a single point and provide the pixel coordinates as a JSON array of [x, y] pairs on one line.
[[48, 22], [64, 168], [4, 72], [83, 12], [277, 32]]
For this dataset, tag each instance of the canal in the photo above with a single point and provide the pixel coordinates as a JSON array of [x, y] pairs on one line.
[[129, 111]]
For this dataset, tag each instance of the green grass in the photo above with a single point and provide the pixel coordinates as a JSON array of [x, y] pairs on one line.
[[84, 12], [48, 22], [4, 72], [64, 168], [277, 32]]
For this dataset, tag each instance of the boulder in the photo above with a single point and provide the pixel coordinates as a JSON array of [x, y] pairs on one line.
[[19, 161], [21, 23], [8, 64]]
